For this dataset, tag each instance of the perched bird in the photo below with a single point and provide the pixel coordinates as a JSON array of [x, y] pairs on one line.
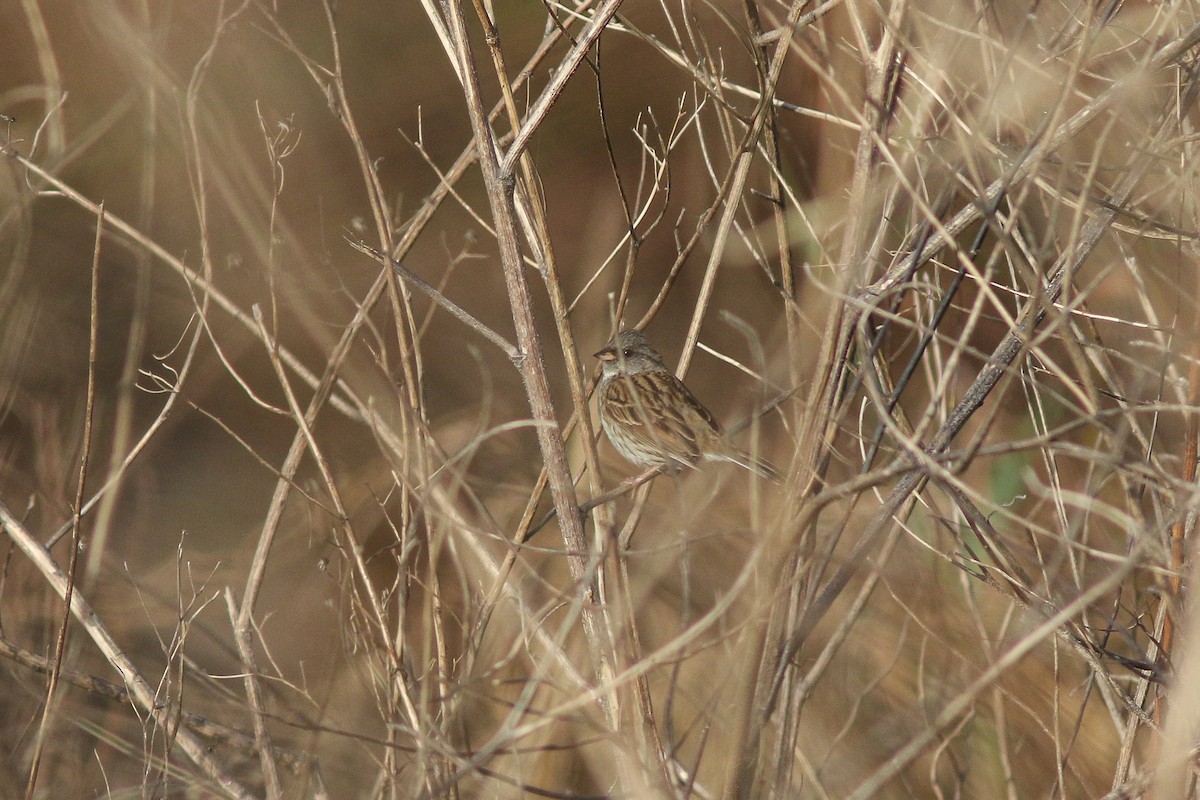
[[652, 419]]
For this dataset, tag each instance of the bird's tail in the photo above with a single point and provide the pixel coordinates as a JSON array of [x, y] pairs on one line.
[[759, 466]]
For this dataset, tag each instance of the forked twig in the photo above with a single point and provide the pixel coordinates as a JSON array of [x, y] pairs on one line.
[[163, 713]]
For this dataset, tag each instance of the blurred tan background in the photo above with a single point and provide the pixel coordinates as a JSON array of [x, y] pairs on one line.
[[213, 131]]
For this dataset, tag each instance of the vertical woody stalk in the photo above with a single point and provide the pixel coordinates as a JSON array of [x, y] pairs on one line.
[[500, 186]]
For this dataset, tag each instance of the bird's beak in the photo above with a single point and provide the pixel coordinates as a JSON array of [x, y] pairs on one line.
[[607, 354]]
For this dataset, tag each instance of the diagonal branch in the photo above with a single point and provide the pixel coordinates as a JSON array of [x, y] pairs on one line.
[[163, 713], [457, 311]]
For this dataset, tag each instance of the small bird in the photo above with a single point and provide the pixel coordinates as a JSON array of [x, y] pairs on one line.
[[652, 419]]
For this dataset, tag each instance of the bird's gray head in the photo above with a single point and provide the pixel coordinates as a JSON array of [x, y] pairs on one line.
[[629, 353]]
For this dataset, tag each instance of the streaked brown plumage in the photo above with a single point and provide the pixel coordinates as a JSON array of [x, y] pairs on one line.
[[652, 419]]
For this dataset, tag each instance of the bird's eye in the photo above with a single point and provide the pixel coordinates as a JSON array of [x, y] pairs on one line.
[[627, 353]]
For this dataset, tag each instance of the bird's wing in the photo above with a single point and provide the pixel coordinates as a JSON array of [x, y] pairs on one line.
[[642, 403]]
